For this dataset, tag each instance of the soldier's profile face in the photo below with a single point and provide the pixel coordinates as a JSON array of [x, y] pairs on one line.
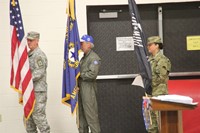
[[152, 47], [32, 44]]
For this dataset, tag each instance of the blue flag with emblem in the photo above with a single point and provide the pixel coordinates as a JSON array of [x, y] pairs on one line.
[[72, 56]]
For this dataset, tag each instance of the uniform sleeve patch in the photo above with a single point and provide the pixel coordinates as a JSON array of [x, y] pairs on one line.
[[96, 62], [40, 63]]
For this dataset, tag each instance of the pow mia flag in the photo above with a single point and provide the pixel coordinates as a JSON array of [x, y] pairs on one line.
[[140, 47]]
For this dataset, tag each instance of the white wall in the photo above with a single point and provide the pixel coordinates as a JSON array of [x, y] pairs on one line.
[[47, 17]]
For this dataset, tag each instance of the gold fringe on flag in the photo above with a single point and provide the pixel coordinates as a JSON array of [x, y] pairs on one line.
[[70, 9]]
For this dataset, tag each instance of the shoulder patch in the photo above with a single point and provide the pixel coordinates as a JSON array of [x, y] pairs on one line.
[[40, 62], [95, 62]]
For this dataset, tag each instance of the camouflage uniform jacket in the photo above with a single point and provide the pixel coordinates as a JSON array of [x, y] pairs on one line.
[[160, 66], [38, 64]]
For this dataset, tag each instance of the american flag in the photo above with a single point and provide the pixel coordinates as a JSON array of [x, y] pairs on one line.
[[21, 77]]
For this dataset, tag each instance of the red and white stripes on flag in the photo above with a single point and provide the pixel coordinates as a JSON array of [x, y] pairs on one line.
[[21, 77]]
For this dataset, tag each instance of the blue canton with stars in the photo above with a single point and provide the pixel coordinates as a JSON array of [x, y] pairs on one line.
[[16, 19]]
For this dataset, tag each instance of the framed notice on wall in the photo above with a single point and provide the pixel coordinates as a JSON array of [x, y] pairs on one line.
[[124, 44], [193, 42]]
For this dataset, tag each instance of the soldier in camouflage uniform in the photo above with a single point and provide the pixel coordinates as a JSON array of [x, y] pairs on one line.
[[38, 65], [88, 109], [160, 66]]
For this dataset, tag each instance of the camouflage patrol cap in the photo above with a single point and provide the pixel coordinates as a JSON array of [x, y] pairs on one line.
[[154, 39], [33, 35]]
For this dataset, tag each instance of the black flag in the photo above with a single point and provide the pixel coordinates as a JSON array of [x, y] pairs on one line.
[[140, 46]]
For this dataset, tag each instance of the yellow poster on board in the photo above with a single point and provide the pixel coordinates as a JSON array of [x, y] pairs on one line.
[[193, 42]]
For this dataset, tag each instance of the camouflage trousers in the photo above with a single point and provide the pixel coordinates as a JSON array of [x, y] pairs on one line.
[[154, 127], [38, 116]]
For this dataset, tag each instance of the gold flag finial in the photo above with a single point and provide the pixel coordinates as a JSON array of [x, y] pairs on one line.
[[13, 2]]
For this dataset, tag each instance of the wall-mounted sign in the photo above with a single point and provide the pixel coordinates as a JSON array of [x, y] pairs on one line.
[[193, 42], [124, 44]]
